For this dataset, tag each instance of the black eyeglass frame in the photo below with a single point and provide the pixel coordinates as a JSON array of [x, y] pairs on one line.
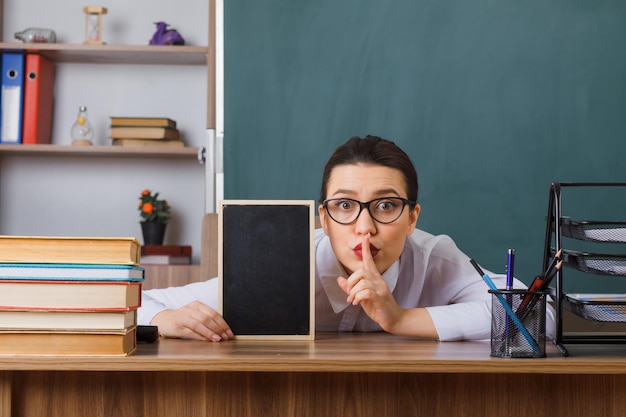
[[367, 204]]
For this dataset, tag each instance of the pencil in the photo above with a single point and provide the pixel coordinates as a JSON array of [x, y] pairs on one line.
[[550, 268]]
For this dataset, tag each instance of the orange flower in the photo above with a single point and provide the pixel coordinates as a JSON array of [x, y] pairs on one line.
[[151, 208], [147, 208]]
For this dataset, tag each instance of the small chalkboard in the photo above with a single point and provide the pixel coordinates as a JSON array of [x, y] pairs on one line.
[[266, 268]]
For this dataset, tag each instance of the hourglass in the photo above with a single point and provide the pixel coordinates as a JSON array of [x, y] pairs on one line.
[[93, 24]]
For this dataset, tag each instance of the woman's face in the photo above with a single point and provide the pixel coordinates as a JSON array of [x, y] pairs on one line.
[[365, 182]]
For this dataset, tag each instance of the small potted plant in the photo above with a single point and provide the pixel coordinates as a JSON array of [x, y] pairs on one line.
[[155, 214]]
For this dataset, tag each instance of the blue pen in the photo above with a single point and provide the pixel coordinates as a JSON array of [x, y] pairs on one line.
[[506, 306], [510, 266]]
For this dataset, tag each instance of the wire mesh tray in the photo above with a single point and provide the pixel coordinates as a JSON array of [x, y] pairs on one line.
[[594, 231], [597, 307], [595, 263]]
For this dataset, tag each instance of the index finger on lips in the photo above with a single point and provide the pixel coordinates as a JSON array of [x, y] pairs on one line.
[[366, 253]]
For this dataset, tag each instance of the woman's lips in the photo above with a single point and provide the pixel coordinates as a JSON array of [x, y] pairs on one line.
[[358, 251]]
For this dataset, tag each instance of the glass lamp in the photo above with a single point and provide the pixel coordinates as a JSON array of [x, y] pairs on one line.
[[82, 132]]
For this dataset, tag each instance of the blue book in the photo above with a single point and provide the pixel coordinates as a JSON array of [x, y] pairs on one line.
[[12, 98], [70, 272]]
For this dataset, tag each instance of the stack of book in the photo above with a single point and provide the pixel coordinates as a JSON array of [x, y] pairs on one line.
[[69, 296], [166, 254], [144, 131]]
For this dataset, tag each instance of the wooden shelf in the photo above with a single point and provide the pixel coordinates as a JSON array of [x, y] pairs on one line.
[[101, 151], [114, 54]]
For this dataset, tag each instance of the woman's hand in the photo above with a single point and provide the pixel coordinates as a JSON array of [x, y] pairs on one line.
[[193, 321], [367, 287]]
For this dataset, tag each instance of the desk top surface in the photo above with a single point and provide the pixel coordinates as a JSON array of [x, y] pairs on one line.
[[333, 352]]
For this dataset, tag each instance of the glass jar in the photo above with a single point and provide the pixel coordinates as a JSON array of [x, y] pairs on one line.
[[36, 35]]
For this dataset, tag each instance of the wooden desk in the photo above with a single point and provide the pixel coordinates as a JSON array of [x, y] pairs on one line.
[[336, 375]]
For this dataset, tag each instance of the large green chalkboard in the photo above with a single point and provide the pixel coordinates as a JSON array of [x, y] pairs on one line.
[[493, 100]]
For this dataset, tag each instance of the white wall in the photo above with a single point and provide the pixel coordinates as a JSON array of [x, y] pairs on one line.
[[86, 196]]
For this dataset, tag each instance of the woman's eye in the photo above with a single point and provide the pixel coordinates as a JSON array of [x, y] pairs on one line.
[[385, 205], [345, 205]]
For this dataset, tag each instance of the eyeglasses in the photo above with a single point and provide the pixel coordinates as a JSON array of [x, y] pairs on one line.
[[384, 210]]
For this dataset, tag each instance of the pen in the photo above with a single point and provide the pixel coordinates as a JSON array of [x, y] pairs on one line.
[[506, 306], [510, 264]]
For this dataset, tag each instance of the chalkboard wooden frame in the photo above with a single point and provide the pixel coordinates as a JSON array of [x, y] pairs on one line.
[[266, 268]]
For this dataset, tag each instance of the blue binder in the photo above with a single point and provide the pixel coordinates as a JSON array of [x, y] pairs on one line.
[[12, 98]]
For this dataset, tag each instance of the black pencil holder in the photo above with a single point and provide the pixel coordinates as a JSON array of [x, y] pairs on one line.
[[524, 334]]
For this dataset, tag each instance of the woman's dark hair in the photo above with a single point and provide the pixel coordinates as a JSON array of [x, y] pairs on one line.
[[375, 151]]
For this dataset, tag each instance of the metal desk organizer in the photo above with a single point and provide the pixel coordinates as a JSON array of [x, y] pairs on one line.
[[605, 235], [507, 340]]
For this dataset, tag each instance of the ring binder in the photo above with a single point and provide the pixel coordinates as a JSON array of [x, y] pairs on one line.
[[12, 98]]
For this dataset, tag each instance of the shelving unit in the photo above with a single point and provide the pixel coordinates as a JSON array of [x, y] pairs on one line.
[[596, 247], [122, 166]]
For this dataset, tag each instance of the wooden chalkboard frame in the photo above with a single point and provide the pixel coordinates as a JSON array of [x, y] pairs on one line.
[[261, 232]]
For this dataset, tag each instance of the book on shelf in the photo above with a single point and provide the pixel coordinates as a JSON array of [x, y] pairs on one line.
[[143, 132], [120, 343], [76, 250], [166, 250], [166, 260], [148, 142], [69, 295], [120, 121], [70, 272], [43, 320]]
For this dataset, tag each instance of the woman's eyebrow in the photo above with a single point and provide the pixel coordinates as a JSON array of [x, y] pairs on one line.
[[343, 191], [382, 192], [386, 191]]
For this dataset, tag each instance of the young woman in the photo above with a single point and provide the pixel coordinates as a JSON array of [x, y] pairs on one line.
[[374, 270]]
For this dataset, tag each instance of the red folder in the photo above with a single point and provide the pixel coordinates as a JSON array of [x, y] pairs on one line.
[[38, 99]]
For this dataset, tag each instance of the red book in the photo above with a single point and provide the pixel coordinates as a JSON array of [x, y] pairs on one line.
[[166, 250], [38, 99]]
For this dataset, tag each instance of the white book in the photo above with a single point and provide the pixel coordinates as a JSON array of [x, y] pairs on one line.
[[165, 260], [67, 320]]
